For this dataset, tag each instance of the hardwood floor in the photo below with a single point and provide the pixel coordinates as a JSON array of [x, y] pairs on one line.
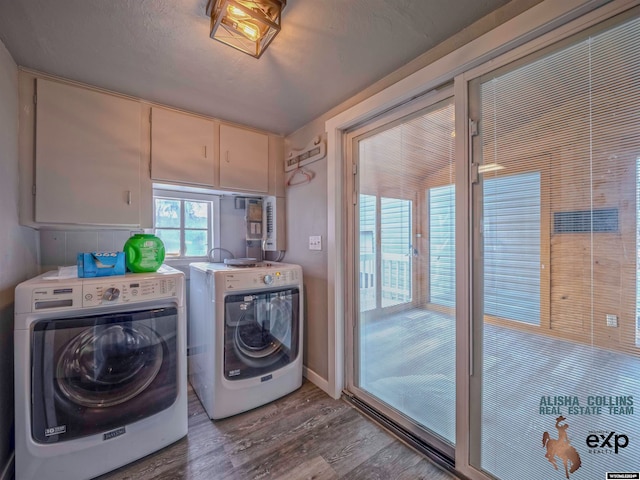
[[517, 371], [305, 435]]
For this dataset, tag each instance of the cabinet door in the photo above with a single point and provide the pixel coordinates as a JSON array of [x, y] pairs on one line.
[[87, 165], [244, 159], [181, 148]]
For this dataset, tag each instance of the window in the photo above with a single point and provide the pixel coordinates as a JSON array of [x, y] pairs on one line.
[[442, 247], [184, 222], [396, 251], [511, 246], [368, 290]]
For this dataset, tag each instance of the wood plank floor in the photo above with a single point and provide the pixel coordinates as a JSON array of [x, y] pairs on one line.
[[305, 435], [409, 360]]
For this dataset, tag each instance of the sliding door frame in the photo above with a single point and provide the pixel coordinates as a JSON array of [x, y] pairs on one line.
[[538, 27], [352, 300], [469, 332]]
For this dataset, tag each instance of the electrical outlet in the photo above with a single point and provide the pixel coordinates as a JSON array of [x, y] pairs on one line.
[[315, 242], [612, 320]]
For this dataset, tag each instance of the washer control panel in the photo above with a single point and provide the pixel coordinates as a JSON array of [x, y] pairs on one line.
[[267, 277], [116, 292]]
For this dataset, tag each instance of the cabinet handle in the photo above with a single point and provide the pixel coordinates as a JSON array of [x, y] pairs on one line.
[[227, 156], [205, 151], [128, 197]]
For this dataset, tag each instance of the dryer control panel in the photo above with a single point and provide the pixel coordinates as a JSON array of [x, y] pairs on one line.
[[261, 278]]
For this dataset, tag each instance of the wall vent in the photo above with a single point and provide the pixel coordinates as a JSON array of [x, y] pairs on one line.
[[603, 220]]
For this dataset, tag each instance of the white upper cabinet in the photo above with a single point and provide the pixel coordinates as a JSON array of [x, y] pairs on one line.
[[244, 159], [87, 156], [181, 148]]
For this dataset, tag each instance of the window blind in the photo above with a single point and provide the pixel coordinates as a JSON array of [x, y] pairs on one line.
[[396, 250], [368, 249], [442, 247], [511, 238]]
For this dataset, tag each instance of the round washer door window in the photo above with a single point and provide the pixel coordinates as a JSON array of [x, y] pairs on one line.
[[108, 365], [263, 330]]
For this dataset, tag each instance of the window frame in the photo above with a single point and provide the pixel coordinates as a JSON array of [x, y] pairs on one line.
[[213, 229]]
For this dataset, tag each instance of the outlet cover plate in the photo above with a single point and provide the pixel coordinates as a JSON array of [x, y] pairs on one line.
[[315, 242]]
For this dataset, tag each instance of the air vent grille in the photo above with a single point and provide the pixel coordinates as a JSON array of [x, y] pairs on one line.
[[604, 220]]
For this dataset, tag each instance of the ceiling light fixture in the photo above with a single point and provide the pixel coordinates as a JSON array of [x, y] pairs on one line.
[[247, 25]]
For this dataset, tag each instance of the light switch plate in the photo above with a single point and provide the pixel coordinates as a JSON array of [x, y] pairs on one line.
[[315, 242]]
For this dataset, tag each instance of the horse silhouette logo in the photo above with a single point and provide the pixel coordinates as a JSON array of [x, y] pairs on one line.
[[561, 448]]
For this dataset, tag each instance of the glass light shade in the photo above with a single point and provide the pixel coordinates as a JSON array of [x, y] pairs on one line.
[[246, 25]]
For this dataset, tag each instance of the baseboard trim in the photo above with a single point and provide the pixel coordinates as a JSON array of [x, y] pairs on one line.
[[8, 470], [316, 379]]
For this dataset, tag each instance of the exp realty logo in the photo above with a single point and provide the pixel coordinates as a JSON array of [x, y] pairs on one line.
[[598, 442], [603, 442]]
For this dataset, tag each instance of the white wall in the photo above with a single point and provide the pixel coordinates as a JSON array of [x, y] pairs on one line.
[[60, 247], [306, 205], [18, 249], [307, 216], [232, 228]]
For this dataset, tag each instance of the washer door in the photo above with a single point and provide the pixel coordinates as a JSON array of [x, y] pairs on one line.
[[107, 365], [261, 332], [97, 374]]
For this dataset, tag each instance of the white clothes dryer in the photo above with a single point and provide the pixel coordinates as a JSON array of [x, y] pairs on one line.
[[245, 334], [100, 372]]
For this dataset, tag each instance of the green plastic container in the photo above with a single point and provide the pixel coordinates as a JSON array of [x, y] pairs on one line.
[[144, 253]]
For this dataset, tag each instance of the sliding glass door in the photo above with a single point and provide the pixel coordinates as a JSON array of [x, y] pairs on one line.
[[493, 310], [555, 373], [403, 349]]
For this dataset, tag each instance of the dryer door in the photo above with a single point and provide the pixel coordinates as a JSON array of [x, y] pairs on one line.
[[261, 332], [99, 373]]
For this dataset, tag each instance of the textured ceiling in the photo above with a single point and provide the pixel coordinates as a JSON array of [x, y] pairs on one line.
[[160, 50]]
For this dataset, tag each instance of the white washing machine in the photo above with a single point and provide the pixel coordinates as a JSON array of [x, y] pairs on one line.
[[245, 332], [100, 372]]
